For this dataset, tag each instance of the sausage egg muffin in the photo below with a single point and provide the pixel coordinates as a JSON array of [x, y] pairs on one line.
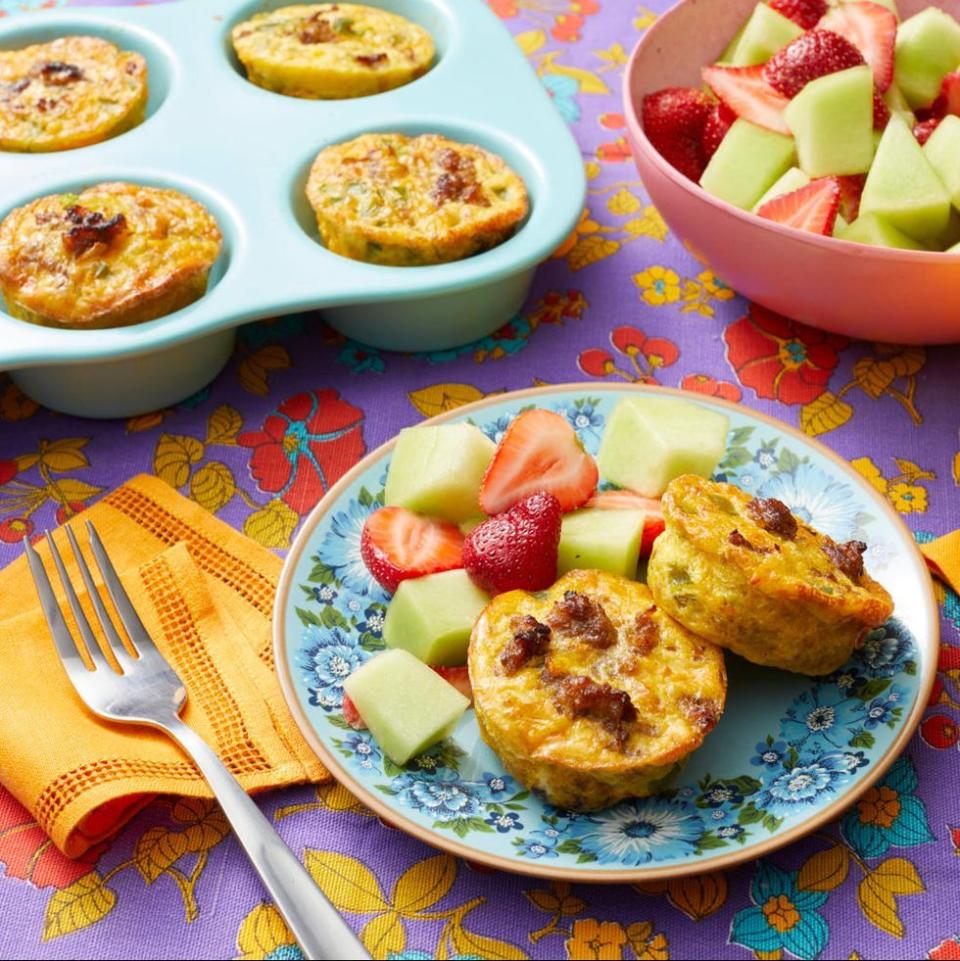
[[69, 93], [386, 198], [748, 575], [588, 692], [331, 51], [112, 255]]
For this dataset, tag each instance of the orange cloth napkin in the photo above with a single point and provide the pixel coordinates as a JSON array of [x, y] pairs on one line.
[[205, 594], [943, 558]]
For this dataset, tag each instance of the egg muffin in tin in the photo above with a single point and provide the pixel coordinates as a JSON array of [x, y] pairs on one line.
[[69, 93], [748, 575], [588, 692], [331, 51], [112, 255], [386, 198]]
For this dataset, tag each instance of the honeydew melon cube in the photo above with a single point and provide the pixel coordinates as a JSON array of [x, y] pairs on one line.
[[747, 163], [903, 188], [766, 32], [928, 48], [651, 440], [897, 103], [438, 470], [593, 539], [730, 51], [407, 706], [943, 152], [792, 180], [876, 232], [432, 617], [832, 121]]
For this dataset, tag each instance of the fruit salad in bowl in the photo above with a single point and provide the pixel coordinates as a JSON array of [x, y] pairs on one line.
[[809, 151]]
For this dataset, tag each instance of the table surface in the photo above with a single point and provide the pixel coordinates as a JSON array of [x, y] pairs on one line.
[[620, 301]]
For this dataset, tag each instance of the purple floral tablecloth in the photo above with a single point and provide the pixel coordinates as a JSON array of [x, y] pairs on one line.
[[621, 300]]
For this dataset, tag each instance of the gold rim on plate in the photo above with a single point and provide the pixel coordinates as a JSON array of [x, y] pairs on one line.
[[929, 646]]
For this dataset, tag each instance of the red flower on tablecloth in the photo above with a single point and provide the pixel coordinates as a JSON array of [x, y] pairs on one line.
[[612, 121], [308, 444], [955, 838], [14, 529], [705, 384], [27, 852], [940, 731], [8, 470], [505, 9], [947, 950], [567, 27], [617, 151], [780, 359], [645, 354]]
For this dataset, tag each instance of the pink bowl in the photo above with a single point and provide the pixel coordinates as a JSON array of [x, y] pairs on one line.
[[898, 296]]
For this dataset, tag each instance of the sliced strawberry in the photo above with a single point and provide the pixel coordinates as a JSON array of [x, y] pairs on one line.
[[806, 13], [812, 55], [923, 131], [624, 500], [351, 715], [719, 121], [516, 550], [948, 102], [812, 208], [459, 677], [539, 451], [881, 112], [745, 91], [851, 190], [673, 120], [397, 544], [872, 29]]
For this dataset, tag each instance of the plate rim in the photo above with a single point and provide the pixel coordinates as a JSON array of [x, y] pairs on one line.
[[640, 874]]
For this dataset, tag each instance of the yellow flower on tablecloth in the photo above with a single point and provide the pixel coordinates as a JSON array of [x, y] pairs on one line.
[[659, 285], [648, 946], [591, 939], [714, 286], [908, 498]]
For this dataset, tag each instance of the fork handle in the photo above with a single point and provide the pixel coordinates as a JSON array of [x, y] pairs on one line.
[[315, 922]]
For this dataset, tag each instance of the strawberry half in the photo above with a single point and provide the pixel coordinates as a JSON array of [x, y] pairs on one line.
[[673, 120], [812, 208], [851, 190], [813, 55], [948, 102], [459, 677], [539, 451], [397, 544], [881, 112], [351, 715], [923, 131], [516, 550], [805, 13], [624, 500], [872, 29], [745, 91], [719, 121]]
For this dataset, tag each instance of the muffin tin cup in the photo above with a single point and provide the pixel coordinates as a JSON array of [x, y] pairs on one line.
[[245, 153]]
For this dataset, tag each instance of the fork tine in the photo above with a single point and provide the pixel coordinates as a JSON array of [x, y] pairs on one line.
[[137, 633], [62, 638], [86, 632], [113, 637]]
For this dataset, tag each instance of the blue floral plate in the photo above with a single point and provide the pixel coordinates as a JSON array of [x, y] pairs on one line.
[[789, 753]]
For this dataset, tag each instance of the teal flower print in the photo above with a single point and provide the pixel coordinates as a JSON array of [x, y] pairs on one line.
[[564, 90], [889, 814], [806, 784], [783, 918]]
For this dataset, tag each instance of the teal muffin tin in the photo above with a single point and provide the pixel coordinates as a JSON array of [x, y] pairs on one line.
[[245, 153]]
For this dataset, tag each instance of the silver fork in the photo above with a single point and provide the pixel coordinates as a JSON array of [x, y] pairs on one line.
[[148, 691]]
